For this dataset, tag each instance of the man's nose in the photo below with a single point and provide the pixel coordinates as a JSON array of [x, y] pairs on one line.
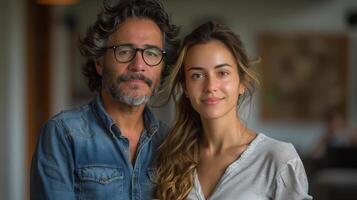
[[137, 64]]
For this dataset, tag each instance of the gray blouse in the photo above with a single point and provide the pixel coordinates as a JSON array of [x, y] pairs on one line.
[[267, 169]]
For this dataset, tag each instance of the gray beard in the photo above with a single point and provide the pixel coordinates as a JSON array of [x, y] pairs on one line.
[[126, 99]]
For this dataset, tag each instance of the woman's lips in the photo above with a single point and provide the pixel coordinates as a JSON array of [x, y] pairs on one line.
[[212, 100]]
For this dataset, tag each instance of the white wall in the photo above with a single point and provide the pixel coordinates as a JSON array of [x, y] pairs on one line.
[[12, 137]]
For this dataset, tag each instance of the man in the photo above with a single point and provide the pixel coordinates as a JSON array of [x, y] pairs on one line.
[[105, 150]]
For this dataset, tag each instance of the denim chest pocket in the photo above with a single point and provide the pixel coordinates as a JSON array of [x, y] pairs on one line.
[[99, 182]]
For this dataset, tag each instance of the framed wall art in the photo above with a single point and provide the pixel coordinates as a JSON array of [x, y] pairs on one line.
[[304, 75]]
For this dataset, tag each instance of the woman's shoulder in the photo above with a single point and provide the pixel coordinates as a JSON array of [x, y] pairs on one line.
[[275, 150], [281, 165]]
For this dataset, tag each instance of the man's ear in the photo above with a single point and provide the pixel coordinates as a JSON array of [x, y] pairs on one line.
[[99, 66]]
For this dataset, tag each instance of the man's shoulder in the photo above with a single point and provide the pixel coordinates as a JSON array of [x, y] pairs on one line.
[[76, 113], [73, 120]]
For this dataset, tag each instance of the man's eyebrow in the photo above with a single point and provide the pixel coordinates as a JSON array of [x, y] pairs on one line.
[[132, 45], [151, 46]]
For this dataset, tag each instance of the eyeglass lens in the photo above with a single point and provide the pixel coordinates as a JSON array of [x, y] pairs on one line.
[[125, 53]]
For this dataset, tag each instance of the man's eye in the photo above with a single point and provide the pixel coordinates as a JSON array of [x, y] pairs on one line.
[[152, 53], [124, 52]]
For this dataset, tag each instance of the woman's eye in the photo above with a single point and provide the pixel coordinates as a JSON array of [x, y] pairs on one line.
[[223, 73], [196, 76]]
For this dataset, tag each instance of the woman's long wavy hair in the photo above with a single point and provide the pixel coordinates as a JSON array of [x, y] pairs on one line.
[[178, 156], [93, 45]]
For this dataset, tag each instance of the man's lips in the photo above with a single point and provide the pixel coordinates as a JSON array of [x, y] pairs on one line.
[[212, 100], [136, 81], [135, 78]]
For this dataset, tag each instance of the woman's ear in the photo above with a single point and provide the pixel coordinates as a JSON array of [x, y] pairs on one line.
[[241, 89], [99, 66], [243, 84]]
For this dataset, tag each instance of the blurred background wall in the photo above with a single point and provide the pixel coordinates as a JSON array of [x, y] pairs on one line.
[[12, 100], [40, 66]]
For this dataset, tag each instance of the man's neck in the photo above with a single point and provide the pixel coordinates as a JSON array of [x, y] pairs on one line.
[[128, 118]]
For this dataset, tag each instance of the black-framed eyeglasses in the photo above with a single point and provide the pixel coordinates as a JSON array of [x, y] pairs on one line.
[[152, 56]]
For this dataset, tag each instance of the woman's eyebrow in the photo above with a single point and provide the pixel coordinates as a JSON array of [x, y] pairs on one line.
[[194, 68], [223, 65]]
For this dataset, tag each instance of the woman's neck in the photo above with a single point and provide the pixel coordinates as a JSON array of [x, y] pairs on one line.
[[223, 133]]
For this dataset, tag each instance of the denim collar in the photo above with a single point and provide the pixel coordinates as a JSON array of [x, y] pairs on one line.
[[151, 123]]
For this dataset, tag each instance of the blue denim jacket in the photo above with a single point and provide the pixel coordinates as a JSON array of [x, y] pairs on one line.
[[81, 154]]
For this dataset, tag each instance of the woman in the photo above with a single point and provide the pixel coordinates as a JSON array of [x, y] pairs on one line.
[[210, 153]]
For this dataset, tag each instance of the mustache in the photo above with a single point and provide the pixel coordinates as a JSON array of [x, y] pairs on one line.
[[128, 77]]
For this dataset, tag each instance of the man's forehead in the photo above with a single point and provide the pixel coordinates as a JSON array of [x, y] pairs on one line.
[[139, 32]]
